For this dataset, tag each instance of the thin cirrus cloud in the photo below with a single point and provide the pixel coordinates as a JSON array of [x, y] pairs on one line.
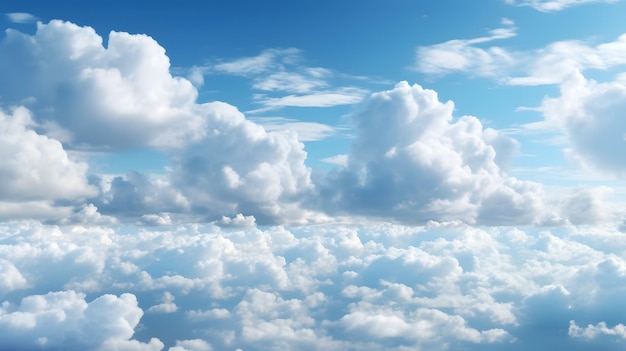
[[554, 5], [276, 72], [466, 55]]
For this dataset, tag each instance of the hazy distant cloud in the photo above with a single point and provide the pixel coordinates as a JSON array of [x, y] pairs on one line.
[[21, 17], [555, 5]]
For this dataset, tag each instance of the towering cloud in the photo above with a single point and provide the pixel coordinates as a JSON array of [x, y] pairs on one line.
[[411, 160]]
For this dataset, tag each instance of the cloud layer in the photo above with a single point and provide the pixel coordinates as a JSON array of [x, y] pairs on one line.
[[369, 286]]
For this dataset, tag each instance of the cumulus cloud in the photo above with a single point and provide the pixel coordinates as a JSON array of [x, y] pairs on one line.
[[65, 320], [34, 166], [36, 171], [589, 114], [240, 168], [125, 89], [123, 95], [412, 161], [374, 286]]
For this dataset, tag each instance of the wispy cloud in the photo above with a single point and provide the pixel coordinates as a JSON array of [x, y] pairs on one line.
[[307, 131], [327, 98], [555, 5], [466, 55], [21, 17]]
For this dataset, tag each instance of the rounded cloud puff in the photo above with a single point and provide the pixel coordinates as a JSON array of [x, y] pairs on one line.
[[412, 160], [35, 168], [119, 96]]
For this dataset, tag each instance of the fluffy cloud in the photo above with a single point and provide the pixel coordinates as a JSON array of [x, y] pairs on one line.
[[589, 113], [411, 160], [123, 95], [240, 168], [86, 94], [36, 171], [64, 320], [374, 286]]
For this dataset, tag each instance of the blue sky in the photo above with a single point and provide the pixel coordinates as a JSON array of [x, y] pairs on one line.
[[304, 175]]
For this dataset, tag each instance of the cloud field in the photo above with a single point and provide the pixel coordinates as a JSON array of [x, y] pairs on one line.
[[420, 237]]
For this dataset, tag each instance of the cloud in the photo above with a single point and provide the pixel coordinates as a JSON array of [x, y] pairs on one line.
[[554, 5], [341, 96], [307, 131], [561, 61], [589, 114], [65, 320], [465, 55], [241, 168], [412, 161], [591, 332], [167, 305], [126, 89], [276, 72], [269, 59], [370, 285], [36, 171], [21, 17], [221, 163], [553, 64], [292, 82]]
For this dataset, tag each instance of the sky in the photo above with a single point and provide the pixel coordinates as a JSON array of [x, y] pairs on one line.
[[312, 175]]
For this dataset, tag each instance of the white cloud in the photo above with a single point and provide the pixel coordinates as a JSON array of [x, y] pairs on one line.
[[339, 160], [342, 286], [65, 320], [465, 55], [589, 114], [555, 5], [591, 332], [307, 131], [191, 345], [167, 305], [411, 161], [268, 60], [240, 168], [327, 98], [21, 17], [125, 89], [290, 82], [563, 60], [36, 169]]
